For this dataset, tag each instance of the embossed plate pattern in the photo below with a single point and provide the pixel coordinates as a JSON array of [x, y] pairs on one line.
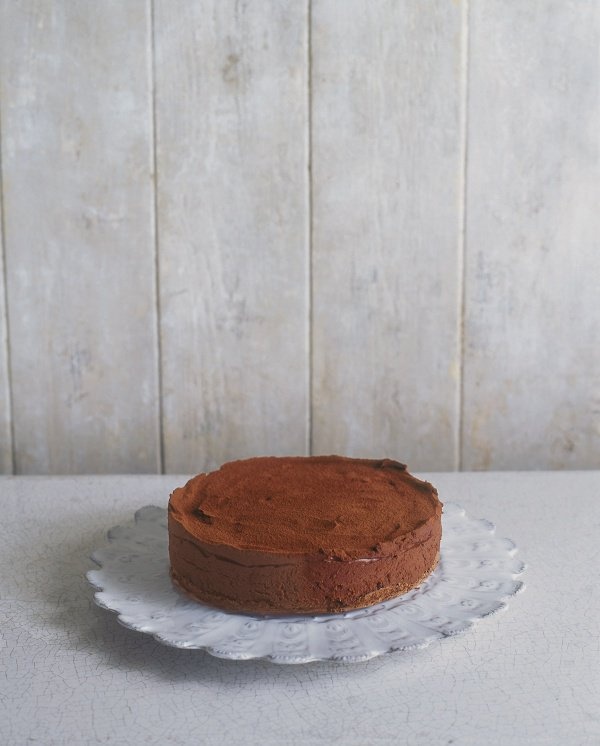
[[476, 575]]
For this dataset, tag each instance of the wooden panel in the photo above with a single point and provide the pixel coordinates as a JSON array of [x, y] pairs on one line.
[[6, 458], [231, 113], [532, 323], [386, 166], [76, 151]]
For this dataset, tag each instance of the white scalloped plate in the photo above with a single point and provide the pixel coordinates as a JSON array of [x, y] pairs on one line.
[[474, 578]]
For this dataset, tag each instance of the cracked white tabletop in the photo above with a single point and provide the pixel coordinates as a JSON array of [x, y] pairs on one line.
[[72, 675]]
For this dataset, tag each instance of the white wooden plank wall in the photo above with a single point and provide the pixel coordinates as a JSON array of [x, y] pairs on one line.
[[532, 324], [233, 228], [386, 164], [79, 242], [231, 115]]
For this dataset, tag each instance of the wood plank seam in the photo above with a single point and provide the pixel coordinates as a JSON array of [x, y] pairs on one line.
[[309, 232], [157, 303], [4, 329], [462, 232]]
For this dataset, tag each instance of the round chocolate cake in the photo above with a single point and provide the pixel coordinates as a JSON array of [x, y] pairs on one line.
[[316, 534]]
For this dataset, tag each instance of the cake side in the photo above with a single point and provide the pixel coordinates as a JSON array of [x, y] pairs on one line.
[[296, 584], [342, 558]]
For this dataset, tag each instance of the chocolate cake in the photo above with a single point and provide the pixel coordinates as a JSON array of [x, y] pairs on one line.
[[315, 534]]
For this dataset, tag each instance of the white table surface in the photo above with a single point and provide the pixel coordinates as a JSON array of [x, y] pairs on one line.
[[72, 675]]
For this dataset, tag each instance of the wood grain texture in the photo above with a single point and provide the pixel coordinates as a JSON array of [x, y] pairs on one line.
[[76, 152], [532, 315], [231, 112], [386, 164], [242, 347]]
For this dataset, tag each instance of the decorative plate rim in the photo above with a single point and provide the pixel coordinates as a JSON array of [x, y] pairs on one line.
[[453, 516]]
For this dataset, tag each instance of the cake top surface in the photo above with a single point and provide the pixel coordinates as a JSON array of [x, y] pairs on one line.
[[341, 506]]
